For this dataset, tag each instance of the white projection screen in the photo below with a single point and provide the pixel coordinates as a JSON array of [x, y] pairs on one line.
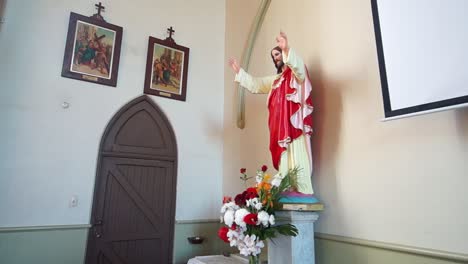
[[422, 47]]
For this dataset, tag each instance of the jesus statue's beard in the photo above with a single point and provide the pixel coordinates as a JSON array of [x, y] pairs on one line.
[[279, 66]]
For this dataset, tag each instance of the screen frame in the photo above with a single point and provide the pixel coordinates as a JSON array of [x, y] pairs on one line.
[[413, 110]]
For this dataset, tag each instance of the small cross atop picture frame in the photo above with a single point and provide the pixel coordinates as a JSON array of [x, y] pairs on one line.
[[166, 68], [92, 51]]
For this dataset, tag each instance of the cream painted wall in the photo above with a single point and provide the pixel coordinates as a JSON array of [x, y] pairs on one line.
[[49, 153], [402, 181], [239, 18]]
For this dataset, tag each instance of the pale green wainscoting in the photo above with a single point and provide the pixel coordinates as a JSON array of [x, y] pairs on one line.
[[43, 245], [332, 249], [66, 244]]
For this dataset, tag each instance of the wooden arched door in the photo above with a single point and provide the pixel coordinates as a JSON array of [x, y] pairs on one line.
[[134, 196]]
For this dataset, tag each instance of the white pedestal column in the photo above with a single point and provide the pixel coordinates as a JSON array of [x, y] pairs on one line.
[[294, 250]]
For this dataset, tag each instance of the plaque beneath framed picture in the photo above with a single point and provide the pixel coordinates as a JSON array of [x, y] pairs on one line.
[[166, 69], [92, 52]]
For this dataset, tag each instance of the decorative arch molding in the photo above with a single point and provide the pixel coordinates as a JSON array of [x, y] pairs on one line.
[[155, 136], [256, 25]]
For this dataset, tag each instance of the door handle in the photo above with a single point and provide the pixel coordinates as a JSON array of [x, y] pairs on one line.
[[96, 226]]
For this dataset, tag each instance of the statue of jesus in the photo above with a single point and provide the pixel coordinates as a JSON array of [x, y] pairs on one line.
[[290, 121]]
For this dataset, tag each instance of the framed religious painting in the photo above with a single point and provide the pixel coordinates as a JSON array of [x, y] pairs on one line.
[[166, 69], [92, 51]]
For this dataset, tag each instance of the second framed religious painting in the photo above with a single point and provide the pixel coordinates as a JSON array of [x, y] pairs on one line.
[[166, 69]]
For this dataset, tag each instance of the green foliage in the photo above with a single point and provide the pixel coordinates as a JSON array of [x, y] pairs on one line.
[[287, 230]]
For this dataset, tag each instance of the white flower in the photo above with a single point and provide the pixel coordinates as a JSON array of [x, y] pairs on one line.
[[243, 250], [236, 236], [259, 176], [250, 246], [271, 220], [233, 236], [239, 217], [277, 180], [263, 217], [233, 243], [229, 206], [258, 246], [255, 203], [229, 217], [258, 206]]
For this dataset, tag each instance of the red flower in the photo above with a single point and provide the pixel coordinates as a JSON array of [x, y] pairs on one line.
[[240, 199], [251, 219], [227, 199], [222, 233], [234, 226], [264, 168], [250, 193], [243, 170]]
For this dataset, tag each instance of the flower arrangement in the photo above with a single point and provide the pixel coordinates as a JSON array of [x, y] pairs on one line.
[[250, 217]]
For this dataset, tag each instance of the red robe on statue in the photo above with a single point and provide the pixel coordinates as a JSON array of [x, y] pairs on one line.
[[290, 108]]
